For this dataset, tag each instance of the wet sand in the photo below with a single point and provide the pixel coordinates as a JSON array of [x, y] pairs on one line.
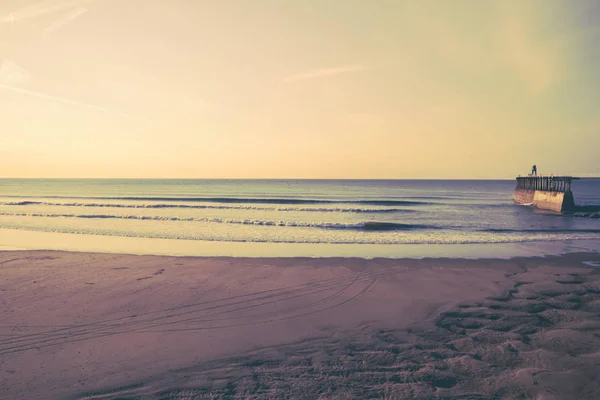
[[106, 326]]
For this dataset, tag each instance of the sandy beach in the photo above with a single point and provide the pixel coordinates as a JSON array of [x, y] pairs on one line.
[[100, 326]]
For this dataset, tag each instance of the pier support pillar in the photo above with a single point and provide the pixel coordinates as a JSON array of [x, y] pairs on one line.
[[568, 202]]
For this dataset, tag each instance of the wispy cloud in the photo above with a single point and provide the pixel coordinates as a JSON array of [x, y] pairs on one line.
[[62, 100], [12, 74], [324, 72], [41, 8], [59, 23]]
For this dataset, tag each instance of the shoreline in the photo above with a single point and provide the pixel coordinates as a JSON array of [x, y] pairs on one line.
[[104, 326], [574, 253]]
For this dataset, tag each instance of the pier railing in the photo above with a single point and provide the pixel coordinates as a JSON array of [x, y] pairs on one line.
[[588, 175], [547, 183]]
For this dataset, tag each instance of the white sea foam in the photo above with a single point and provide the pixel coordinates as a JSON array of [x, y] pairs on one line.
[[367, 225], [592, 263], [207, 206]]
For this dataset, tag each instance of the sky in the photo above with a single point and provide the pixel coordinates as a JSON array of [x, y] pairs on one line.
[[299, 88]]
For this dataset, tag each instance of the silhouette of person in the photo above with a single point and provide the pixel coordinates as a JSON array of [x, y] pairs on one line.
[[534, 170]]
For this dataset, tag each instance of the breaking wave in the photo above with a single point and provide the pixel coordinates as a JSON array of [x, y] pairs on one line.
[[252, 200], [210, 206], [364, 226]]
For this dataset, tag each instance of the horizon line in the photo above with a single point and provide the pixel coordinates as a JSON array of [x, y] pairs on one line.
[[260, 179]]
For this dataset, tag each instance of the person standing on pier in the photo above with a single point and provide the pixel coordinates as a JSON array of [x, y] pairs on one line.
[[534, 170]]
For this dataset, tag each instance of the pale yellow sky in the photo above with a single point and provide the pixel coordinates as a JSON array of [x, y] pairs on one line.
[[298, 89]]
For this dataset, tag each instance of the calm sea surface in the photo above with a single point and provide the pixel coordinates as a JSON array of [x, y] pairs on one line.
[[357, 212]]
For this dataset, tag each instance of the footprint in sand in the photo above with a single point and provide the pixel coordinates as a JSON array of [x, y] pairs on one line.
[[547, 395]]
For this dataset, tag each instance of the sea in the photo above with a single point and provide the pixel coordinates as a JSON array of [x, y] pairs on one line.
[[362, 218]]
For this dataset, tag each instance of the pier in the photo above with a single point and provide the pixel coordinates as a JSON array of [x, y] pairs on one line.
[[548, 192]]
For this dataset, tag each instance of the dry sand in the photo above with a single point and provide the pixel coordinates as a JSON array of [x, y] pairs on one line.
[[101, 326]]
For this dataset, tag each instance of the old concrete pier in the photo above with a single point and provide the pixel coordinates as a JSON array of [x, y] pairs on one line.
[[545, 192]]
